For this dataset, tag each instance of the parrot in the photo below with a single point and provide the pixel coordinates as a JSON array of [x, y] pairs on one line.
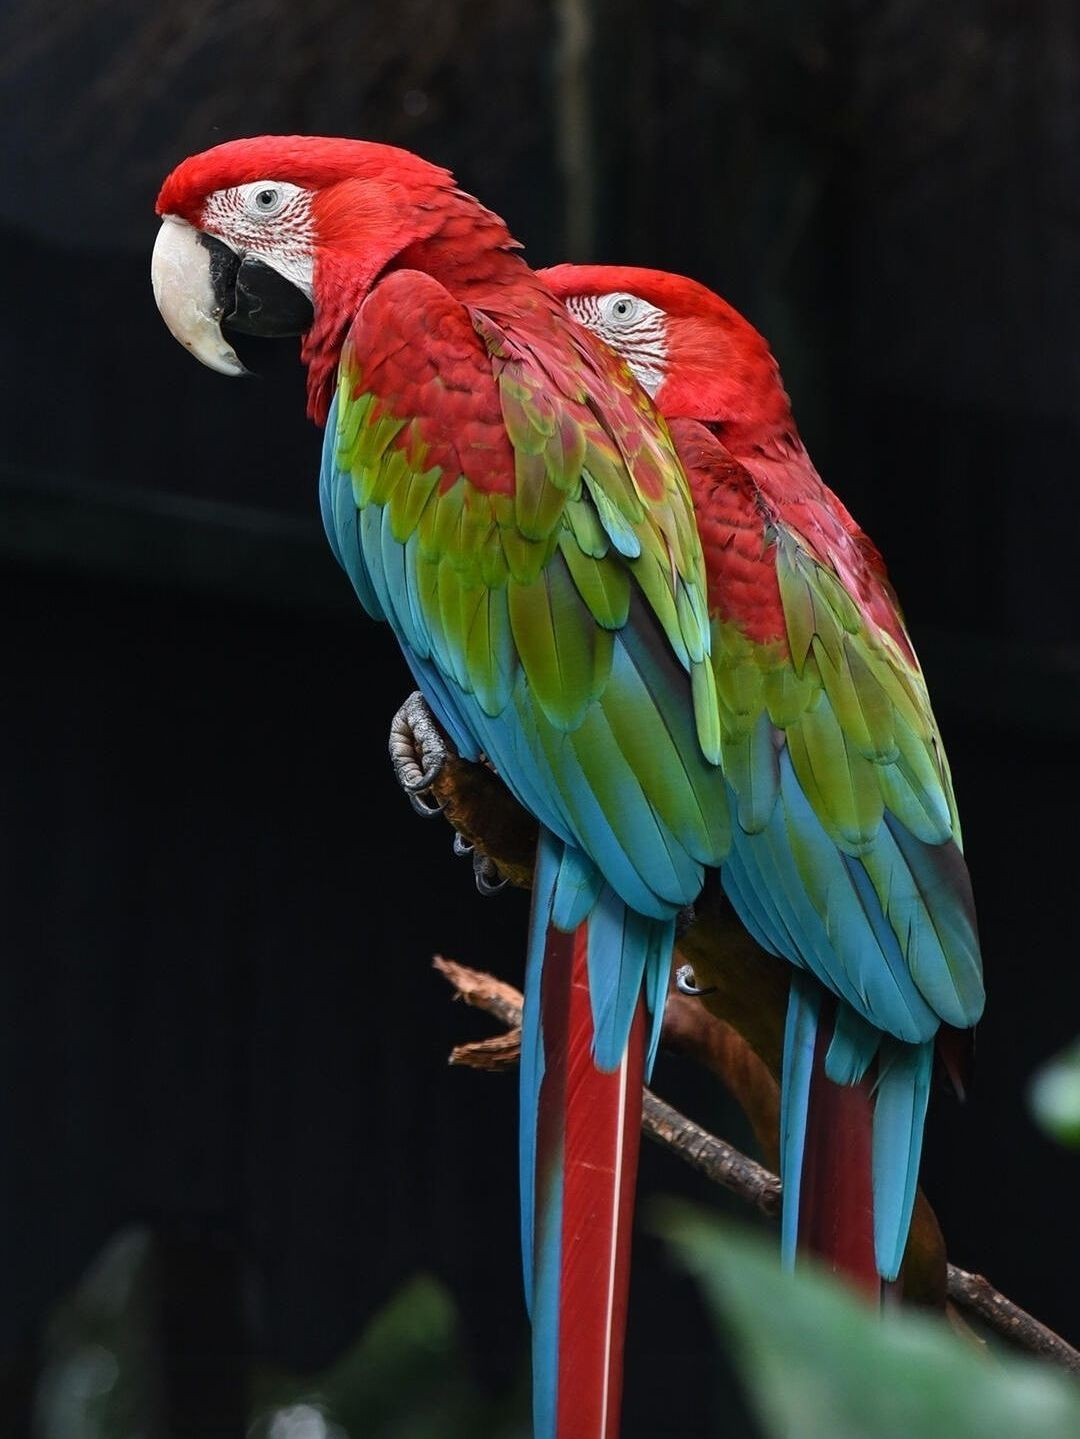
[[846, 852], [502, 492]]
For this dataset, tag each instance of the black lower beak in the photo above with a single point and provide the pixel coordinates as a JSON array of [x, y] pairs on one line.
[[255, 299]]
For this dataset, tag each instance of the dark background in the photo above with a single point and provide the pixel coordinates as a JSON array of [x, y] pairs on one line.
[[218, 1017]]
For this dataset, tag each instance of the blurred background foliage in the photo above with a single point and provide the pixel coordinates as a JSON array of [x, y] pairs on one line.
[[1055, 1095], [218, 1023], [811, 1360], [815, 1367]]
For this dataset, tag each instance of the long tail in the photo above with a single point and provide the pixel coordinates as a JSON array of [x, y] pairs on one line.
[[853, 1105], [584, 1051]]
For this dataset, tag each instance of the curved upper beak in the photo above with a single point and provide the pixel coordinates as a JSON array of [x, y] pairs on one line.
[[201, 283], [194, 279]]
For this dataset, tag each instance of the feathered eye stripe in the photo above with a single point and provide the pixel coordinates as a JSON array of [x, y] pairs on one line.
[[641, 339], [289, 232], [285, 241]]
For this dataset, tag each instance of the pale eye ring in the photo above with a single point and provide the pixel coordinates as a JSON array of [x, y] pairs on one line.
[[621, 309], [266, 199]]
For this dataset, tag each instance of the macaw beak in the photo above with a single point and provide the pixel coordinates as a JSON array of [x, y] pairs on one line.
[[200, 284]]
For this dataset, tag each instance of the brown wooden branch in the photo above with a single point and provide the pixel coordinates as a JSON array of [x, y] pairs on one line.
[[727, 1166], [978, 1295], [737, 1031], [715, 1158]]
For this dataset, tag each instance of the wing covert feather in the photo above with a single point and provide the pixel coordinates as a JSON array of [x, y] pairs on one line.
[[846, 855], [526, 527]]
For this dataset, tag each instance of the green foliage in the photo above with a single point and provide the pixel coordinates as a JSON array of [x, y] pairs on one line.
[[817, 1364], [1055, 1095], [405, 1377], [100, 1377]]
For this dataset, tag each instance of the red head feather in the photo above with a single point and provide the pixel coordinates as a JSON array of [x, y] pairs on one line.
[[372, 207], [718, 370], [312, 161], [717, 367]]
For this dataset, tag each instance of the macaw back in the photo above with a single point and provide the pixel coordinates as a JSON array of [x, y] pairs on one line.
[[858, 814], [845, 855], [539, 565]]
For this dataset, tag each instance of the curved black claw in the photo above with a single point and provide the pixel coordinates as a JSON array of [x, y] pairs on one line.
[[486, 873], [485, 870], [685, 984], [418, 752]]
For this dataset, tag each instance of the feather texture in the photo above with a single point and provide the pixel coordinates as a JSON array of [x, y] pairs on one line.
[[845, 856], [580, 1131], [560, 624], [845, 853]]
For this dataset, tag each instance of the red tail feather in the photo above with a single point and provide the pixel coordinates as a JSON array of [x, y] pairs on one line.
[[836, 1201], [600, 1115]]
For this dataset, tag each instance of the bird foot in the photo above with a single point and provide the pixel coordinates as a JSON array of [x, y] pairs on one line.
[[686, 984], [418, 751], [485, 871]]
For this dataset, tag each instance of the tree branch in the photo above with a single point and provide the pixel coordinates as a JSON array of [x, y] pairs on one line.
[[973, 1292], [736, 1029], [735, 1171]]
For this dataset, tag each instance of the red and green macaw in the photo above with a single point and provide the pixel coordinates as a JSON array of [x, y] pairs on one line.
[[845, 855], [500, 490]]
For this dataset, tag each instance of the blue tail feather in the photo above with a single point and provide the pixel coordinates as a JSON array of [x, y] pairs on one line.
[[800, 1039], [576, 890], [903, 1090], [625, 954], [627, 951], [545, 877], [852, 1048], [901, 1093]]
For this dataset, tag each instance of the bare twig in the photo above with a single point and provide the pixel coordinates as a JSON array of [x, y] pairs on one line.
[[973, 1292], [715, 1158], [483, 991], [741, 1175]]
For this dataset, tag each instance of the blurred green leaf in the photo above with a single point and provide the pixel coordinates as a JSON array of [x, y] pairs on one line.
[[818, 1364], [406, 1377], [1055, 1095], [100, 1375]]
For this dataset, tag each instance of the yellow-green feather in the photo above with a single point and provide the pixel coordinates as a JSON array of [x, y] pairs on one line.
[[518, 597]]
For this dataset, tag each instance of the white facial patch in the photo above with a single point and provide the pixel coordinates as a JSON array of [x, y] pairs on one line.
[[269, 220], [632, 327]]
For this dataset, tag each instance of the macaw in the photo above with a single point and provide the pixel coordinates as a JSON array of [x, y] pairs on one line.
[[500, 490], [846, 854]]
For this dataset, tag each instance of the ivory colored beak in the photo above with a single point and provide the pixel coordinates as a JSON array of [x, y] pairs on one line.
[[180, 271]]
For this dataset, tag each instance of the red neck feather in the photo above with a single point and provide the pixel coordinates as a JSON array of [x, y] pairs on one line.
[[364, 235]]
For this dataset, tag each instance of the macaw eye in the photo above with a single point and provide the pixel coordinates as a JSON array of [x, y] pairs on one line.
[[620, 309], [265, 199]]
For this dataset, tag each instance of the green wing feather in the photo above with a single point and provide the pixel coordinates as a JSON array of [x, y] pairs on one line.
[[850, 707], [553, 572]]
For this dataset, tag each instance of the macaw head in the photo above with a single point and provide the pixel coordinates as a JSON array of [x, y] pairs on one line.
[[284, 235], [695, 355]]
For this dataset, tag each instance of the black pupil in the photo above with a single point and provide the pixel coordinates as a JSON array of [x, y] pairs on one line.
[[265, 198], [622, 308]]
